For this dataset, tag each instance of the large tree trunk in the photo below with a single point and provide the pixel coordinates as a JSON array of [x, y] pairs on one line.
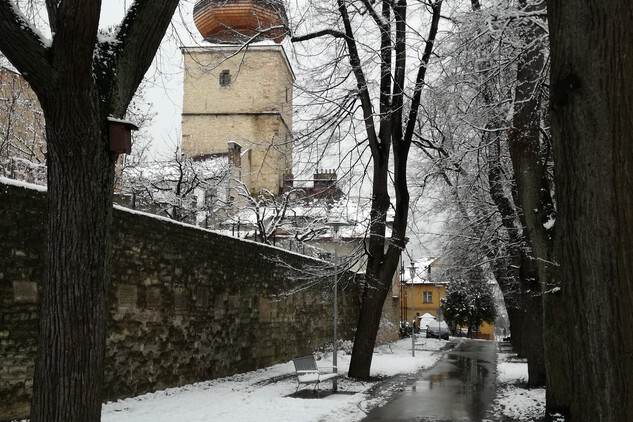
[[80, 80], [381, 267], [372, 303], [592, 99], [72, 324]]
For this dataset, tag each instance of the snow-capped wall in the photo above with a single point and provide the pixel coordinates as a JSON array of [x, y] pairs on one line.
[[185, 304]]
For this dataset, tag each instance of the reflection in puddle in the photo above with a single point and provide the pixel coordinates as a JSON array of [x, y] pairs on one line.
[[459, 388]]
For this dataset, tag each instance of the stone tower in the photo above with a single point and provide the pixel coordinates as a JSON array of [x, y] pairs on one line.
[[237, 93]]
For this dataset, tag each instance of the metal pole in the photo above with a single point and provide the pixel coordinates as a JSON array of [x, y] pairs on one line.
[[413, 320], [335, 225], [334, 348], [412, 268]]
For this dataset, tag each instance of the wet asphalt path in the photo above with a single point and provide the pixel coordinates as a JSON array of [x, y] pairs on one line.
[[460, 387]]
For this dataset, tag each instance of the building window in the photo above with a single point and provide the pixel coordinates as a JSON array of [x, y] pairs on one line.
[[225, 78], [427, 297]]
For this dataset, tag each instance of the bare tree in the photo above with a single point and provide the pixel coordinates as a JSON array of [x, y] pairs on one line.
[[80, 78], [388, 115], [490, 108], [181, 188]]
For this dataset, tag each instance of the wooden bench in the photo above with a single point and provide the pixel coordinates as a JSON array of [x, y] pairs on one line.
[[308, 373]]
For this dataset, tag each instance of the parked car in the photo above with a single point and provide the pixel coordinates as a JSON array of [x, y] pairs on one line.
[[437, 330]]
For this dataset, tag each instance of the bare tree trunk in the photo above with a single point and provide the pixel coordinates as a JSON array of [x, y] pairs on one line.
[[532, 320], [592, 99], [533, 191], [72, 324], [380, 270]]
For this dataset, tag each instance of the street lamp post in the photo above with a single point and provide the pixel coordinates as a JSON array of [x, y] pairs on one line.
[[335, 225], [412, 269], [439, 311]]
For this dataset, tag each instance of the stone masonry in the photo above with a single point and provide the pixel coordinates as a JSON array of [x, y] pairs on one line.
[[185, 304], [245, 96]]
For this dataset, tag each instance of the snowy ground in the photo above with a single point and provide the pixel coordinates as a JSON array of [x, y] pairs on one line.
[[267, 394], [514, 401]]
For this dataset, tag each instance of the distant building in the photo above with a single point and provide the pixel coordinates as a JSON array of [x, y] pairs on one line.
[[240, 93], [422, 293]]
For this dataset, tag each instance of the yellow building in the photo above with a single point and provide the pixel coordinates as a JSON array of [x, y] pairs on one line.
[[486, 331], [423, 293], [421, 297]]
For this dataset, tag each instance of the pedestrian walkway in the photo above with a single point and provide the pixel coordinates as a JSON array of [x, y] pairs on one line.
[[268, 394], [460, 387]]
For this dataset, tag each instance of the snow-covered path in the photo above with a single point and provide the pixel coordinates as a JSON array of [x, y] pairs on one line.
[[266, 394]]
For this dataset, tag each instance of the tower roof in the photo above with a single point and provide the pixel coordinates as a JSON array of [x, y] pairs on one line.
[[237, 21]]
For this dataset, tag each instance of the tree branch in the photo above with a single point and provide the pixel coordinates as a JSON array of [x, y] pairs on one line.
[[419, 82], [51, 8], [331, 32], [400, 148], [361, 82], [25, 48], [138, 39]]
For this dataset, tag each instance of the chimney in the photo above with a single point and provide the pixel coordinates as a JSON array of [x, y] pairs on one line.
[[324, 180], [235, 153]]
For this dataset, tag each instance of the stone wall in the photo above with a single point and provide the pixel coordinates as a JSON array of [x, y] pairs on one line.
[[185, 304]]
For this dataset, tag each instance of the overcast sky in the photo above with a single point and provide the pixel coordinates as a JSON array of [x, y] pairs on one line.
[[164, 78]]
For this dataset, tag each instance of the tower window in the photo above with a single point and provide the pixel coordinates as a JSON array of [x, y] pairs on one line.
[[225, 78]]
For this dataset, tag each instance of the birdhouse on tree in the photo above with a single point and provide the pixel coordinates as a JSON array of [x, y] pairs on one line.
[[120, 135]]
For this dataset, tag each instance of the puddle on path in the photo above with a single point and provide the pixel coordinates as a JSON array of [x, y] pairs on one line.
[[460, 387]]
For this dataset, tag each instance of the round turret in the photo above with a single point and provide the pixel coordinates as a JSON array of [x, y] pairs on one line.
[[237, 21]]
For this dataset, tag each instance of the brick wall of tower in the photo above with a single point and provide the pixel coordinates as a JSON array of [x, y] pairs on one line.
[[253, 109]]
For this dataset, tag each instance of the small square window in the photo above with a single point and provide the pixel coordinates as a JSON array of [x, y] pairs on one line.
[[427, 297], [225, 78]]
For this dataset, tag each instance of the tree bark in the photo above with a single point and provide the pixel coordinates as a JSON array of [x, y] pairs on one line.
[[591, 103], [70, 361], [532, 320], [533, 191]]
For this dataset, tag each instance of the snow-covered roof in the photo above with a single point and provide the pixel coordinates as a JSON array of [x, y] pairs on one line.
[[159, 170], [422, 274]]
